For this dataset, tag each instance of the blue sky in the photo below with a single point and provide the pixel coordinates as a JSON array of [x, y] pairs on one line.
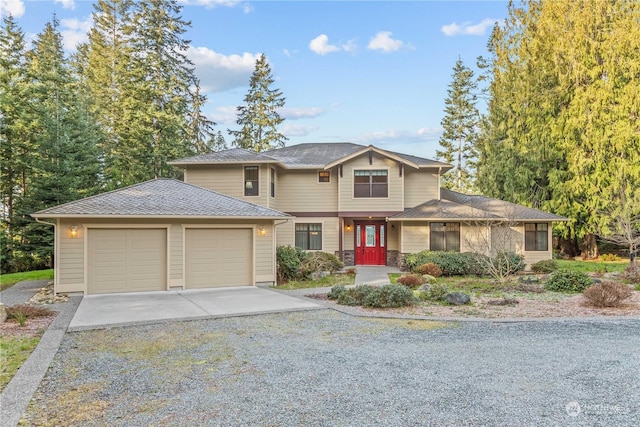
[[369, 72]]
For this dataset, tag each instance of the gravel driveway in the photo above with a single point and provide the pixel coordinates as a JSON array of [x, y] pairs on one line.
[[324, 368]]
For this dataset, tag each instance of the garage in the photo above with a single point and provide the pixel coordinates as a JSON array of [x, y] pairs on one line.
[[218, 257], [126, 260]]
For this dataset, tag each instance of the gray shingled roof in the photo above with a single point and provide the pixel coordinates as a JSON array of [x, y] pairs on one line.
[[158, 198], [232, 155], [303, 156], [454, 205]]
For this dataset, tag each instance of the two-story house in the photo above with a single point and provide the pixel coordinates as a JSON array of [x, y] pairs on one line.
[[220, 227]]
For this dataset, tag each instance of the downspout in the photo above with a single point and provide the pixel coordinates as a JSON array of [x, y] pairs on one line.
[[439, 174], [55, 252]]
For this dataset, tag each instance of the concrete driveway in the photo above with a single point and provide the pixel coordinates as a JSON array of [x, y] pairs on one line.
[[98, 311]]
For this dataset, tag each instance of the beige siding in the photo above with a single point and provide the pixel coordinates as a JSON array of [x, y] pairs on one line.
[[419, 186], [393, 236], [71, 263], [330, 232], [394, 202], [415, 236], [229, 180], [70, 259], [348, 243], [474, 238], [300, 191]]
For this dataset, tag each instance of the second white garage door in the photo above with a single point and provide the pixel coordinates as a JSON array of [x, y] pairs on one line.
[[218, 257]]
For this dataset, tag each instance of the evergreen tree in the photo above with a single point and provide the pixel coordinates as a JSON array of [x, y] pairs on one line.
[[16, 142], [460, 125], [259, 118]]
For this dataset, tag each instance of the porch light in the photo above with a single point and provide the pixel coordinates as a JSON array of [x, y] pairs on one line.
[[348, 227], [74, 231], [261, 230]]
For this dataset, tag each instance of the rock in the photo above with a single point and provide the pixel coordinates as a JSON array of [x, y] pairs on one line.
[[3, 313], [503, 301], [529, 279], [458, 298]]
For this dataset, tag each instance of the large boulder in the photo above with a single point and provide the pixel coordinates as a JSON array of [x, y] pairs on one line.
[[458, 298]]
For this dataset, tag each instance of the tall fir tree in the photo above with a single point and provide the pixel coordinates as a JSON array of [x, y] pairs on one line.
[[460, 125], [259, 118], [17, 143]]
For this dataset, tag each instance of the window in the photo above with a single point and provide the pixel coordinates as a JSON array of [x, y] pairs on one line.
[[273, 182], [251, 180], [324, 176], [445, 236], [536, 237], [309, 236], [371, 183]]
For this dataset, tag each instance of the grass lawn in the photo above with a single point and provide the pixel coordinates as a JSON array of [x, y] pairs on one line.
[[8, 280], [15, 350], [593, 266], [325, 282]]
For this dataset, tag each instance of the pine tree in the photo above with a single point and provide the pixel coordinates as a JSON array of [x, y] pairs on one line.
[[460, 125], [259, 118]]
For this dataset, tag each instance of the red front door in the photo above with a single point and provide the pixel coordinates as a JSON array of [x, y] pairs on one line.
[[370, 243]]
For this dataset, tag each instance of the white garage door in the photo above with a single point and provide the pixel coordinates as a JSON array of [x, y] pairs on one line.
[[126, 260], [218, 258]]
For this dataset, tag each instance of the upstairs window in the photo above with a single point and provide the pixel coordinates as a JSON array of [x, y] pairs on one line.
[[445, 236], [309, 237], [273, 182], [370, 183], [324, 176], [536, 237], [251, 180]]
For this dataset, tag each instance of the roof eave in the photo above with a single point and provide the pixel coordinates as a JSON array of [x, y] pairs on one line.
[[229, 162], [104, 216]]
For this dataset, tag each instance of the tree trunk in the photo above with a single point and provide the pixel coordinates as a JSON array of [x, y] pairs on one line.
[[568, 247], [589, 246]]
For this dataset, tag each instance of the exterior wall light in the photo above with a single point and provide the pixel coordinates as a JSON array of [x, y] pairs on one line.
[[262, 230], [348, 227], [74, 231]]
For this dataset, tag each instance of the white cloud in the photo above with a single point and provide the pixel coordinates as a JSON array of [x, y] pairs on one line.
[[383, 41], [218, 72], [321, 46], [468, 29], [422, 142], [297, 131], [225, 115], [14, 8], [301, 112], [66, 4], [75, 31], [209, 4]]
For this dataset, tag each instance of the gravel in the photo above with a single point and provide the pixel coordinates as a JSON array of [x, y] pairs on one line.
[[324, 368]]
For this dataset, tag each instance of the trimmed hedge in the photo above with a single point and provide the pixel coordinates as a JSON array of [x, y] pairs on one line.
[[451, 263]]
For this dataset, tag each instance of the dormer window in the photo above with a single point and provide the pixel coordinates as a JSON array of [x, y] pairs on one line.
[[251, 182], [370, 183]]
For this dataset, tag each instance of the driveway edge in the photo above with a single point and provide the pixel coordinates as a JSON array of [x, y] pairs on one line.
[[17, 394]]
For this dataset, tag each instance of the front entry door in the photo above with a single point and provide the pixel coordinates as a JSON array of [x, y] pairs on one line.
[[370, 243]]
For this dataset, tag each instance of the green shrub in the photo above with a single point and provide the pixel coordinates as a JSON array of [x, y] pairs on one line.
[[319, 261], [434, 291], [355, 296], [288, 260], [451, 263], [411, 281], [565, 280], [607, 294], [389, 296], [545, 266], [336, 291]]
